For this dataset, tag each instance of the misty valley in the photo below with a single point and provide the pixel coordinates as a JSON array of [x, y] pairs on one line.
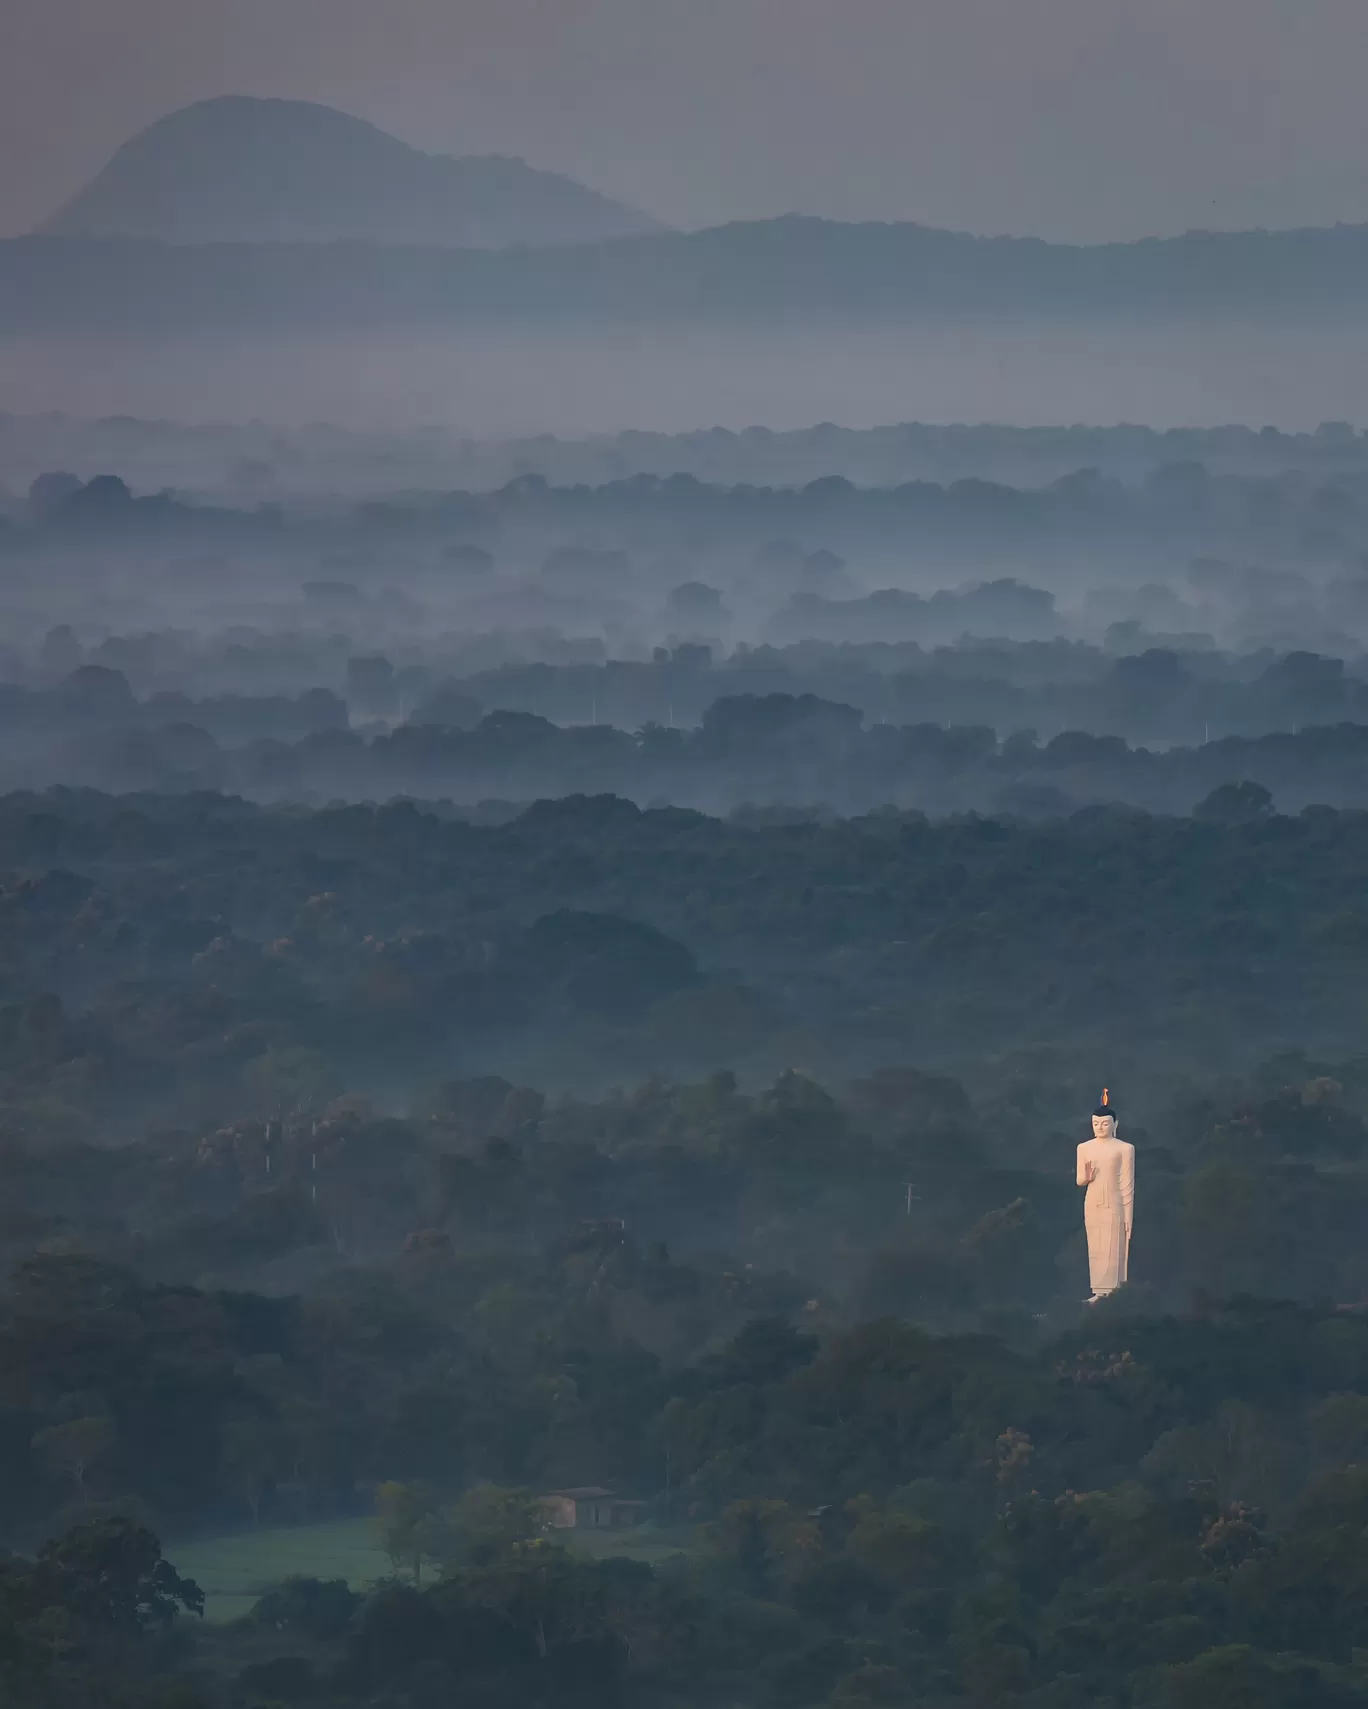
[[544, 1026], [656, 1052]]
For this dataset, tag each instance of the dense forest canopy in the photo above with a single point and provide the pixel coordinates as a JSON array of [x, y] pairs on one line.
[[583, 988], [894, 1462], [683, 907], [223, 458], [143, 932]]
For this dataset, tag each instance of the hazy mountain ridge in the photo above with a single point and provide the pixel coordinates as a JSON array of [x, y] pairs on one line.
[[796, 267], [242, 170]]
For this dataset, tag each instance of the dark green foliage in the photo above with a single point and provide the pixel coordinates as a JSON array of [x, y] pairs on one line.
[[363, 948], [109, 1572], [308, 1607], [271, 1255]]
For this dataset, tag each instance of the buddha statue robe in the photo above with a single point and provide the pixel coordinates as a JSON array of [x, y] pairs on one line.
[[1106, 1167]]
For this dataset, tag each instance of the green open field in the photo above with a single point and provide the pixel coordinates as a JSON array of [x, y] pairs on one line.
[[234, 1569]]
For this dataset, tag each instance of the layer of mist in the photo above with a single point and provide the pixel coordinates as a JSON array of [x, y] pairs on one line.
[[552, 974], [501, 381]]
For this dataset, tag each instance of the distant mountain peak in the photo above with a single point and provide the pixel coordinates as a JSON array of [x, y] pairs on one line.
[[239, 169]]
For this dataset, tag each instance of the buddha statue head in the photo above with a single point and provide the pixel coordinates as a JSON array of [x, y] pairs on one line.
[[1104, 1118]]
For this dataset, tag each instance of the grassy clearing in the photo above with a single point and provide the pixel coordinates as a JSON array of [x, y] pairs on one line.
[[235, 1569]]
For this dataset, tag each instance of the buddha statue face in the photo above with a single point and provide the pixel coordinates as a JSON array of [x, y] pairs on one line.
[[1104, 1127]]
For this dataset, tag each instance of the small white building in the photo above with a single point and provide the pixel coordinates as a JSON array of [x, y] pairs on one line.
[[592, 1508]]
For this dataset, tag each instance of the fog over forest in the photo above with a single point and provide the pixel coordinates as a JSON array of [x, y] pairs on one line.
[[522, 381], [586, 812]]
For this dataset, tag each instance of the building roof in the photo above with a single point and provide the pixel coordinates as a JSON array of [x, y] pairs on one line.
[[591, 1492]]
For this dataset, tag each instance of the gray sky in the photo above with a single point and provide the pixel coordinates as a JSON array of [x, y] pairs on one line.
[[1071, 118]]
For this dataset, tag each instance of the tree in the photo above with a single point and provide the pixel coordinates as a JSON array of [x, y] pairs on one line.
[[73, 1449], [606, 965], [564, 1606], [110, 1572], [489, 1520], [758, 1539], [287, 1078], [252, 1457], [1236, 804], [1338, 1430], [371, 685], [50, 492], [897, 1546], [409, 1525], [313, 1608], [1238, 1677]]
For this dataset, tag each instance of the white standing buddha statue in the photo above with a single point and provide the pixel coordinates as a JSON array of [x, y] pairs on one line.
[[1106, 1167]]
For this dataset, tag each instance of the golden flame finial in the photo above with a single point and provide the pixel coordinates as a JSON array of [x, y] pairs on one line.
[[1106, 1097]]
